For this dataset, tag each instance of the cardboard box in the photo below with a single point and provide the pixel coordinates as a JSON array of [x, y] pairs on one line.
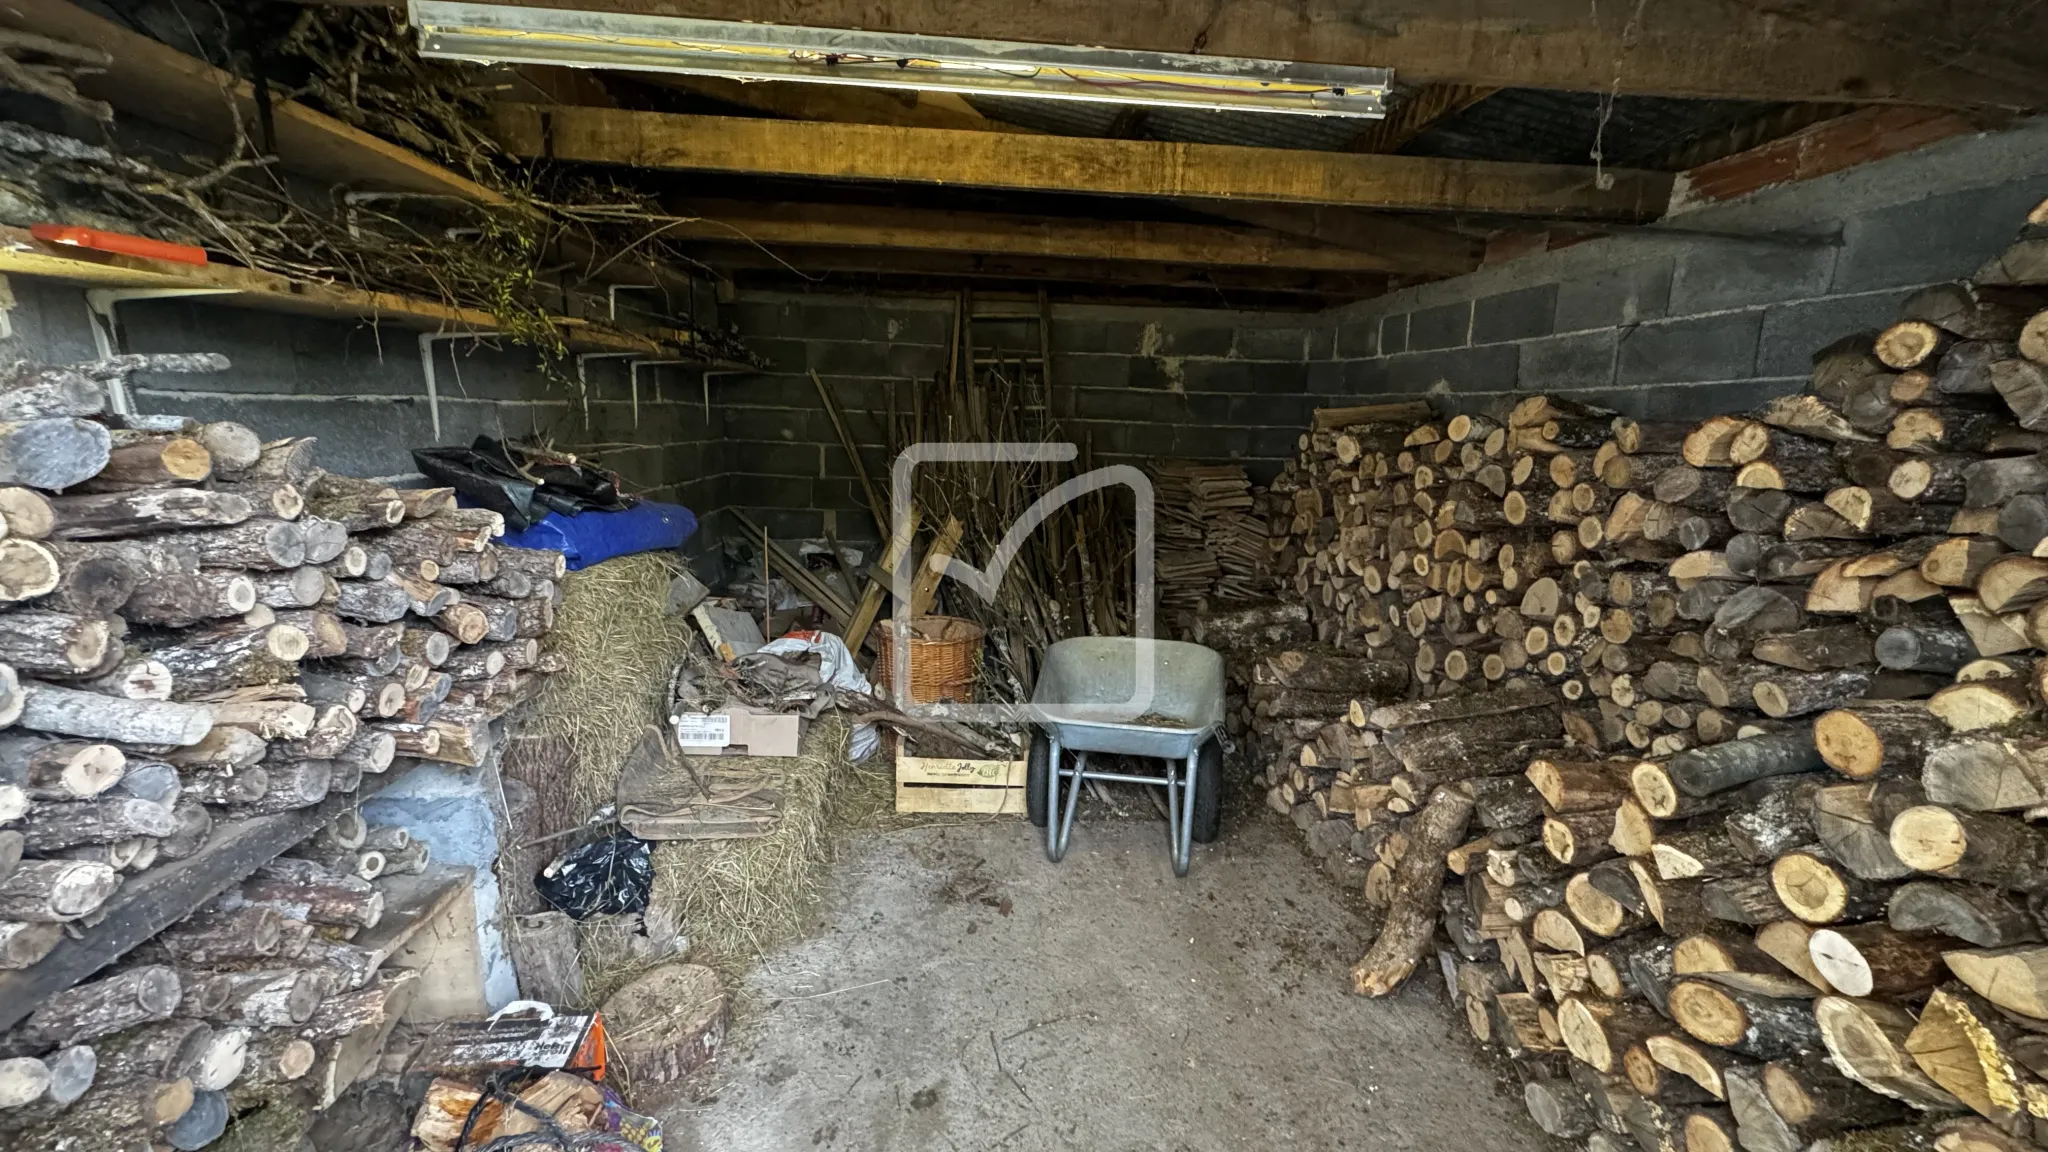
[[739, 731]]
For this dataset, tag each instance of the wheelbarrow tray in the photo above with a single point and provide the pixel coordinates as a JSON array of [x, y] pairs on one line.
[[1089, 697]]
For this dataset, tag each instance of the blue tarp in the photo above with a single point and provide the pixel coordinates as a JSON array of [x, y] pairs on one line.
[[593, 537]]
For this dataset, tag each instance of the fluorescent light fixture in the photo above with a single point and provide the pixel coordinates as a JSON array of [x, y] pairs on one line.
[[509, 33]]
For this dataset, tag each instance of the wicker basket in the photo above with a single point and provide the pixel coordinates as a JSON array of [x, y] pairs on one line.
[[945, 658]]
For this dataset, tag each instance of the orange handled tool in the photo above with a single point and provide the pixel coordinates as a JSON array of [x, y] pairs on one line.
[[119, 243]]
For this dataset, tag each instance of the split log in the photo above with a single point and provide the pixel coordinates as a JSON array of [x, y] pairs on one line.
[[1982, 916], [1988, 771], [1598, 1032], [1967, 1048], [1866, 1039], [2014, 978]]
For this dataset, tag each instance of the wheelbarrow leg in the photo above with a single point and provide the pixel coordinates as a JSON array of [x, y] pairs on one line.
[[1053, 848], [1064, 820], [1182, 815]]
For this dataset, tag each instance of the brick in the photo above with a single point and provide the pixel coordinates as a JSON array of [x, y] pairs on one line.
[[1939, 238], [1394, 334], [1445, 326], [1625, 295], [1580, 360], [1792, 333], [1488, 368], [1702, 348], [1516, 315], [1714, 275]]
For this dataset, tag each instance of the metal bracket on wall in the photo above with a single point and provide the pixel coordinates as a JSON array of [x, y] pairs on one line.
[[707, 390], [100, 304], [583, 375], [612, 297], [427, 340], [633, 371]]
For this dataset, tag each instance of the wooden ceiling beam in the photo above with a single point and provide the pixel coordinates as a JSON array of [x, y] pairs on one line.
[[1064, 238], [866, 152], [1722, 49], [842, 102], [1024, 269]]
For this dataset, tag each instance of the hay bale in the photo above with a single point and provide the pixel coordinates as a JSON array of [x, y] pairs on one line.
[[620, 648]]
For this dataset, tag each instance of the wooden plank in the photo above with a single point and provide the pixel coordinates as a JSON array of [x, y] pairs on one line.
[[23, 255], [1425, 250], [963, 771], [1701, 48], [164, 895], [1074, 165], [960, 801], [1831, 146], [410, 902], [1067, 238]]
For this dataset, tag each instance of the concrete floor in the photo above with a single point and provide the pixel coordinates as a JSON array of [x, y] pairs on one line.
[[964, 994]]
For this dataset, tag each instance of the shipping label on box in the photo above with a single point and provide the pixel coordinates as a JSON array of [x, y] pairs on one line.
[[739, 731]]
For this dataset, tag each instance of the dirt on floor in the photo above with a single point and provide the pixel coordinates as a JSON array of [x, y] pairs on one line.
[[963, 993]]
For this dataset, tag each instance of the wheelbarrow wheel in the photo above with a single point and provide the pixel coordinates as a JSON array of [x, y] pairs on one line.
[[1208, 819], [1037, 772]]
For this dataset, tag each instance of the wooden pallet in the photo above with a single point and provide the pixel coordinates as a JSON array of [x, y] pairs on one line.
[[958, 785]]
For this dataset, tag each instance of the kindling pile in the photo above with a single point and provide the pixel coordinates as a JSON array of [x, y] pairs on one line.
[[1708, 747]]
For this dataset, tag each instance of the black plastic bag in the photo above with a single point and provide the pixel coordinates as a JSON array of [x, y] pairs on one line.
[[609, 877], [483, 480]]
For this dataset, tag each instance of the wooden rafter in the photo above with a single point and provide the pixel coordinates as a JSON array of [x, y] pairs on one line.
[[867, 226], [1414, 114], [866, 152], [1726, 49]]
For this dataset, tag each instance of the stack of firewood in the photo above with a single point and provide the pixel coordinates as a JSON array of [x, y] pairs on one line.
[[199, 629], [257, 998], [1771, 881]]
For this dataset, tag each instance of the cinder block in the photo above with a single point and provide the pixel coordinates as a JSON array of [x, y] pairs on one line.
[[1626, 295], [835, 322], [1151, 375], [1518, 315], [1090, 370], [1275, 343], [772, 425], [1358, 339], [1579, 360], [849, 358], [1792, 333], [780, 354], [1197, 340], [752, 490], [1721, 347], [916, 361], [1328, 375], [1364, 377], [768, 318], [369, 437], [1939, 238], [1445, 326], [1288, 412], [1129, 404], [1714, 274], [1393, 334], [49, 322], [1487, 368]]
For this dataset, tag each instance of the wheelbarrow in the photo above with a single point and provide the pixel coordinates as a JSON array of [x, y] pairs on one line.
[[1090, 697]]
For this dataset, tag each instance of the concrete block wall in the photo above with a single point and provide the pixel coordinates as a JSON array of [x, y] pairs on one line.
[[1714, 310], [361, 388], [1130, 384]]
